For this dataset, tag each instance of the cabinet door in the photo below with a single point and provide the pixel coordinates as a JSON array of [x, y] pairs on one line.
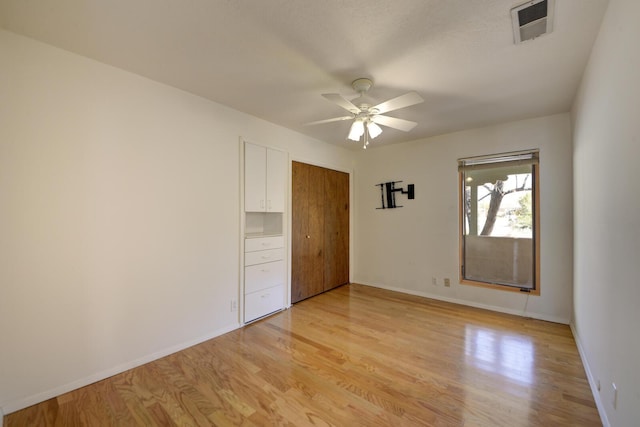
[[263, 302], [336, 229], [263, 243], [255, 171], [262, 276], [276, 180], [261, 257]]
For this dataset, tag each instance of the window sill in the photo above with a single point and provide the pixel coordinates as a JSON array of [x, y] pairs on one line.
[[506, 288]]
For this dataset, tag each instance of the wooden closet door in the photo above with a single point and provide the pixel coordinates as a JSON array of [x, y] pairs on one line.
[[307, 239], [336, 229]]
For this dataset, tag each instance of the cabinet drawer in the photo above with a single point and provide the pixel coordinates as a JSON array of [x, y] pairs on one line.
[[263, 276], [260, 257], [262, 243], [261, 303]]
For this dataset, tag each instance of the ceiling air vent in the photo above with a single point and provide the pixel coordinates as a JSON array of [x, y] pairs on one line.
[[532, 19]]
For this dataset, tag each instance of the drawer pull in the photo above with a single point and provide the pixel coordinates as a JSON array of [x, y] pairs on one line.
[[264, 295], [265, 257]]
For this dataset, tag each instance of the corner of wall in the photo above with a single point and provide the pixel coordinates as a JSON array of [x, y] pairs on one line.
[[590, 378]]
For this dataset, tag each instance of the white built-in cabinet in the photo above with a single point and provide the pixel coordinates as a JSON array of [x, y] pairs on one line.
[[265, 264], [265, 179], [264, 276]]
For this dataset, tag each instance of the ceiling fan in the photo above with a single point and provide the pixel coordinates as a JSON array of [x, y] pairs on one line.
[[366, 118]]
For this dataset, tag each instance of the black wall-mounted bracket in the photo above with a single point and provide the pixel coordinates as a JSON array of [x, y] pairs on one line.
[[387, 194]]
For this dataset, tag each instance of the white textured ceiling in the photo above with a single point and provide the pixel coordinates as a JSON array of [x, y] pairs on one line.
[[273, 59]]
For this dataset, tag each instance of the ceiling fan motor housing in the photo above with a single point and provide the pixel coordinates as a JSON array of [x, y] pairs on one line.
[[361, 85]]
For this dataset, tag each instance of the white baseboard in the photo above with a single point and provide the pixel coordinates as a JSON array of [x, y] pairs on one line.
[[593, 383], [16, 405], [538, 316]]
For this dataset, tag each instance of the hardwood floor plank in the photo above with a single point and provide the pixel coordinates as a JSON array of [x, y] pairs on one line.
[[115, 405], [356, 356], [160, 416], [43, 414]]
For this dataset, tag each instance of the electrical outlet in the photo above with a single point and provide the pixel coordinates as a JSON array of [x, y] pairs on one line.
[[434, 281], [447, 282], [614, 399], [234, 304]]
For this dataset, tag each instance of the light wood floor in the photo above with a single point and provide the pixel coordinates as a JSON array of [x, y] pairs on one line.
[[354, 356]]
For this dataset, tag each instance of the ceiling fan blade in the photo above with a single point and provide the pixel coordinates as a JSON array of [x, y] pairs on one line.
[[342, 102], [401, 101], [393, 122], [335, 119]]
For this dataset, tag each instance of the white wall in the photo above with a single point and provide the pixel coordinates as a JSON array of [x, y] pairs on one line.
[[606, 150], [404, 248], [119, 218]]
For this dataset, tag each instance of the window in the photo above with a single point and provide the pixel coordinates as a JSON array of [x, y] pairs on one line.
[[499, 221]]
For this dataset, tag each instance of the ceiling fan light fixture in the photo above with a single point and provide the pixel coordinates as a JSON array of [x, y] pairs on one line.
[[374, 129], [357, 130]]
